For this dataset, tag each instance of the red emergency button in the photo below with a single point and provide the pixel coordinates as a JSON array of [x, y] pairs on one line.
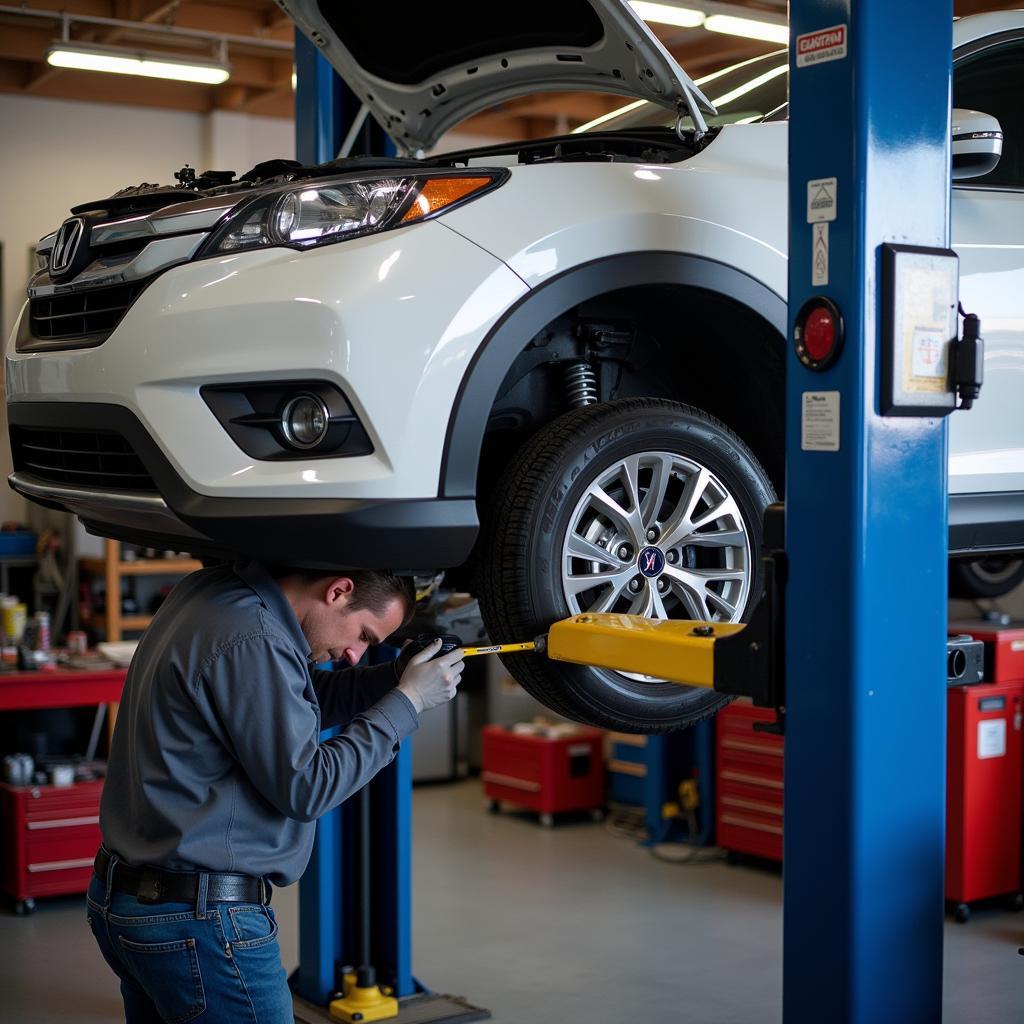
[[818, 333]]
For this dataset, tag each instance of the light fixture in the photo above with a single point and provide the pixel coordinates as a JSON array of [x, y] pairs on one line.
[[750, 28], [668, 14], [148, 64]]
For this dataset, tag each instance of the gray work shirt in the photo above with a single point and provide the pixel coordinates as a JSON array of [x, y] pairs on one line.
[[216, 762]]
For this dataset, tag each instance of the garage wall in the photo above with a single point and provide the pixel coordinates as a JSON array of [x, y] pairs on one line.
[[56, 154]]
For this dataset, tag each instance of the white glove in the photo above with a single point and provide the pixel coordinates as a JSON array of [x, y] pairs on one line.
[[429, 683]]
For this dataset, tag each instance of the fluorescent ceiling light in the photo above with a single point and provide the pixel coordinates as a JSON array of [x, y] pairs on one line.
[[748, 27], [754, 83], [668, 14], [119, 61]]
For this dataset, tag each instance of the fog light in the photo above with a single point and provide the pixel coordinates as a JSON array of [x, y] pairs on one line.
[[304, 421]]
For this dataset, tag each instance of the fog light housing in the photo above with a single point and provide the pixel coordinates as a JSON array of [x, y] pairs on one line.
[[305, 421]]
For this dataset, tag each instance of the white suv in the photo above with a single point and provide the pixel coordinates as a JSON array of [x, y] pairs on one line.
[[559, 361]]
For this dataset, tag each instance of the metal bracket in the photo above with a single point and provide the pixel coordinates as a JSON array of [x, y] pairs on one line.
[[752, 662]]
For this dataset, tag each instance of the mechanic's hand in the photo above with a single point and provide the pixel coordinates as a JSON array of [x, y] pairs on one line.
[[429, 683]]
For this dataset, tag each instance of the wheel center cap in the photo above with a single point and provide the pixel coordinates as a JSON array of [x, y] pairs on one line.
[[651, 562]]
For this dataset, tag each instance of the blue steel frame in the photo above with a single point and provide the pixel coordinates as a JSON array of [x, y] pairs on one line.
[[328, 909], [866, 538]]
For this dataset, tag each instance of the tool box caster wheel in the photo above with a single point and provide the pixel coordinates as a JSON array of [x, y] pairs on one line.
[[962, 914], [493, 806], [25, 907], [547, 820], [1016, 901], [597, 814]]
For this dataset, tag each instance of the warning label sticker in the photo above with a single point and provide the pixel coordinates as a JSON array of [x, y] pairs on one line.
[[819, 421], [821, 46], [819, 255], [821, 199]]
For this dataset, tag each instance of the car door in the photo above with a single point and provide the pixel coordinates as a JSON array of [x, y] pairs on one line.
[[987, 443]]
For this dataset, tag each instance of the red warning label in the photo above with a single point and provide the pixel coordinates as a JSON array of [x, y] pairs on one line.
[[818, 47]]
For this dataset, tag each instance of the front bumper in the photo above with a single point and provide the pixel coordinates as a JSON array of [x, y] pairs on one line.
[[324, 533]]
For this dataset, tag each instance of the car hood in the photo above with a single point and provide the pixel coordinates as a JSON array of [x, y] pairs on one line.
[[422, 71]]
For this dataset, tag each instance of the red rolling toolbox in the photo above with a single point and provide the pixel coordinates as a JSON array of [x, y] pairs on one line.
[[983, 793], [748, 784], [547, 774], [50, 837], [1004, 648]]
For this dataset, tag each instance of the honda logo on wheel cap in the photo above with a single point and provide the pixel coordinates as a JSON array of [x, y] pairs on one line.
[[66, 246]]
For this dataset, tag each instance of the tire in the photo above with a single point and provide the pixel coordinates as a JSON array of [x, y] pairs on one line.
[[994, 576], [546, 501]]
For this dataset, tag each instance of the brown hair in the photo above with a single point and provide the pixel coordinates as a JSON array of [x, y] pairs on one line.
[[373, 588]]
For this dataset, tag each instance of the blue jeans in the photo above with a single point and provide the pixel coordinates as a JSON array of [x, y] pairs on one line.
[[211, 963]]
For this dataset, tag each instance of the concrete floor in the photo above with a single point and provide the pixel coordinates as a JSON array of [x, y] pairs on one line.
[[572, 923]]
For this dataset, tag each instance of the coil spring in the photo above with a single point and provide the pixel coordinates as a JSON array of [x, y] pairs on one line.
[[580, 385]]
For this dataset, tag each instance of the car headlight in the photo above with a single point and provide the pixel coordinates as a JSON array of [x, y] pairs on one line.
[[321, 212]]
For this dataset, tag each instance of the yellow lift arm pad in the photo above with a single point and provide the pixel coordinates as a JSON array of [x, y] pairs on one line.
[[664, 648]]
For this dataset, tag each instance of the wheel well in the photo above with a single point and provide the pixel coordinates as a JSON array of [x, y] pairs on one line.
[[660, 341]]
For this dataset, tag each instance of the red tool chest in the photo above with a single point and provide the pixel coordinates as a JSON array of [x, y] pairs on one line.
[[547, 774], [50, 837], [748, 790], [983, 792], [1004, 648]]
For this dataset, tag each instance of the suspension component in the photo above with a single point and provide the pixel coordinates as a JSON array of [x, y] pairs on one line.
[[580, 385]]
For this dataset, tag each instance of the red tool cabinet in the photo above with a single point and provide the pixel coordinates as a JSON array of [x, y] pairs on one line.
[[544, 774], [983, 793], [51, 835], [748, 789]]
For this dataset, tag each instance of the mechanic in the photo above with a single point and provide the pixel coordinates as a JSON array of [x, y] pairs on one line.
[[217, 775]]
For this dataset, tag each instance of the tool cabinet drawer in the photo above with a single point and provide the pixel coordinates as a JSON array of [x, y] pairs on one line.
[[50, 837], [749, 783]]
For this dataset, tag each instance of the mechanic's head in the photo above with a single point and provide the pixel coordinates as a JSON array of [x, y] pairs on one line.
[[344, 612]]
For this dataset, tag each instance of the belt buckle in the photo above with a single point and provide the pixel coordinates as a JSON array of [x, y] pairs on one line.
[[150, 890]]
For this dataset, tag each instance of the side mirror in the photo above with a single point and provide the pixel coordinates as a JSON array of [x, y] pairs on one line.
[[977, 143]]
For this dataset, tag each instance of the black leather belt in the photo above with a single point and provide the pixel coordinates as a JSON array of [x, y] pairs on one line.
[[155, 885]]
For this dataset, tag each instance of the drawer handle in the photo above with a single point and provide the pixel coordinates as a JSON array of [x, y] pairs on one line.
[[757, 826], [752, 805], [628, 768], [61, 865], [92, 819], [751, 780], [510, 781], [754, 748]]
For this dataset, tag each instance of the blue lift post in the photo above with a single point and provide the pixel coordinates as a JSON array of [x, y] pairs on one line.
[[866, 531], [328, 900]]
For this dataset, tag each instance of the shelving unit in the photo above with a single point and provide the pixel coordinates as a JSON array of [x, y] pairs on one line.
[[113, 568]]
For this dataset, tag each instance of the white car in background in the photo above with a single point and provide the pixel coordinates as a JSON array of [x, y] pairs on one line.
[[559, 362]]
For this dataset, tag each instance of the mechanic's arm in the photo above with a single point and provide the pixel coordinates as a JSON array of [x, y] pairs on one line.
[[257, 696], [346, 692]]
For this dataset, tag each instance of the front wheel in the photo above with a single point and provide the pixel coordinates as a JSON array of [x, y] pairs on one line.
[[643, 506]]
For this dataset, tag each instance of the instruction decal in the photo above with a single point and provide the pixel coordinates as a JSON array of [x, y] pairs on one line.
[[819, 254], [819, 421], [821, 200], [992, 738], [818, 47]]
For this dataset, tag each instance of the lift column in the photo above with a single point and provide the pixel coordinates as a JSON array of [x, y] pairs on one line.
[[866, 518]]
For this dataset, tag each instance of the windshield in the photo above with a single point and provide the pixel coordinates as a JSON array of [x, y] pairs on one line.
[[741, 93]]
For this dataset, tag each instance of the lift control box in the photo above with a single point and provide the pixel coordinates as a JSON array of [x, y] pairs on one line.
[[983, 793], [1004, 648]]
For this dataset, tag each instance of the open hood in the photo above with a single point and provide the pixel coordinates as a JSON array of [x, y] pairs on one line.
[[422, 70]]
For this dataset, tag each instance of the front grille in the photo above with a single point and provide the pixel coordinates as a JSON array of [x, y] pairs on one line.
[[93, 314], [92, 459]]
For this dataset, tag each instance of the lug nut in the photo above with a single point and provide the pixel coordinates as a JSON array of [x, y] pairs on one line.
[[634, 585], [661, 585], [672, 557], [624, 551], [652, 534]]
